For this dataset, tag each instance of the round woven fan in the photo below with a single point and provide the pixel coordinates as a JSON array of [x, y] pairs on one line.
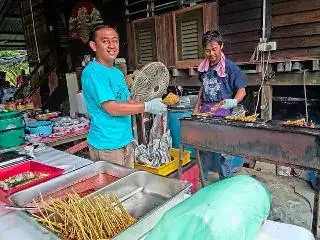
[[150, 82]]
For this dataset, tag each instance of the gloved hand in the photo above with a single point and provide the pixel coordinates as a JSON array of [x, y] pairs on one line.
[[229, 103], [155, 106]]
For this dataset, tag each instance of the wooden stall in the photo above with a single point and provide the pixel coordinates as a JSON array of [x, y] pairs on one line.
[[173, 38], [296, 29]]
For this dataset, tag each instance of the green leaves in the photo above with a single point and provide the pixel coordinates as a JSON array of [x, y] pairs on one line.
[[13, 70]]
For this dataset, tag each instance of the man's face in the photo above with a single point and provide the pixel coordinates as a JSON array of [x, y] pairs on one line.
[[213, 51], [106, 44]]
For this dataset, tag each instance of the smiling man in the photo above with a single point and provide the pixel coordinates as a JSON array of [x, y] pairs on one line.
[[108, 101]]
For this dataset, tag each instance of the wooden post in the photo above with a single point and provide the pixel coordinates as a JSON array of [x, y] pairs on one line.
[[268, 19], [202, 180], [266, 102]]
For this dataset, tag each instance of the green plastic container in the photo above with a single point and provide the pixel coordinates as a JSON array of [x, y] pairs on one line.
[[11, 129]]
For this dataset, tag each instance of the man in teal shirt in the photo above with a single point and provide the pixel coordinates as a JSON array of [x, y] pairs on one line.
[[108, 101]]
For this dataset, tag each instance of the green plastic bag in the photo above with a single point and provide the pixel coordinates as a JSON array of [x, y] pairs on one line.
[[231, 209]]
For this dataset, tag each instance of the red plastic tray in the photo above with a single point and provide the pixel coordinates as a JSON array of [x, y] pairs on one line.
[[29, 166]]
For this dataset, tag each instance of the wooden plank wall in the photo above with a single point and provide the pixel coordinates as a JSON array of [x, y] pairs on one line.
[[131, 50], [296, 29], [210, 18], [240, 24], [39, 29], [165, 36], [164, 39]]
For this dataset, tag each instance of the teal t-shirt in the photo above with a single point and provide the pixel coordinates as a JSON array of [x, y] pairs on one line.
[[101, 84]]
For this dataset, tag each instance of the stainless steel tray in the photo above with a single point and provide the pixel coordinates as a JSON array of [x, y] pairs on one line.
[[25, 197], [147, 197]]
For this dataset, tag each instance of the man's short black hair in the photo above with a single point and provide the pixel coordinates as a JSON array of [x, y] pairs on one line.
[[212, 36], [97, 27]]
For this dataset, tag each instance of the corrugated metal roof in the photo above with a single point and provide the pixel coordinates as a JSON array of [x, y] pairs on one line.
[[11, 25]]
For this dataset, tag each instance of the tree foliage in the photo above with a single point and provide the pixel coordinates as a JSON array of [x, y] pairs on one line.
[[12, 71]]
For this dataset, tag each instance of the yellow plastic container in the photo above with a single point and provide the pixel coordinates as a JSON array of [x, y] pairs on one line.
[[168, 168]]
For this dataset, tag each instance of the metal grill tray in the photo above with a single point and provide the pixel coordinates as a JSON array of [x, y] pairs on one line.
[[25, 197], [146, 196]]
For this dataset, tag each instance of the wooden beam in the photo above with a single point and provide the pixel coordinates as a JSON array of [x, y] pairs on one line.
[[250, 14], [245, 47], [254, 79], [242, 37], [266, 102], [293, 18], [245, 26], [239, 6], [307, 29], [295, 6], [298, 42], [295, 54], [240, 57], [188, 64]]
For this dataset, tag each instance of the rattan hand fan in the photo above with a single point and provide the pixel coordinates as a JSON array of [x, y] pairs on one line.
[[150, 82]]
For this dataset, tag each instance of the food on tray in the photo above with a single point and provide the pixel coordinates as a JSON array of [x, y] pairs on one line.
[[250, 118], [21, 179], [171, 99], [218, 105], [99, 217]]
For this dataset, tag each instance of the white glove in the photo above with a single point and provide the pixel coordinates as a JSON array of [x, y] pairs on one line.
[[229, 103], [155, 106]]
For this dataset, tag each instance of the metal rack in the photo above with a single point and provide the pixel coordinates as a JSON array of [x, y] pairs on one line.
[[146, 8]]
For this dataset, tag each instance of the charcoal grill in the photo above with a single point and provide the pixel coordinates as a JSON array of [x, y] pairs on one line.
[[265, 141]]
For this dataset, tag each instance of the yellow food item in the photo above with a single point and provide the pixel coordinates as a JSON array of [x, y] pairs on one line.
[[251, 118], [202, 114], [218, 105], [100, 217], [297, 123], [171, 99], [129, 80]]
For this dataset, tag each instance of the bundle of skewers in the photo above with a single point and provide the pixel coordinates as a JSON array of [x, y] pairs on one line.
[[250, 118], [298, 123], [98, 217]]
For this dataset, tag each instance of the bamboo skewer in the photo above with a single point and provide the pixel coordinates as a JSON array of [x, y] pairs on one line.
[[100, 217]]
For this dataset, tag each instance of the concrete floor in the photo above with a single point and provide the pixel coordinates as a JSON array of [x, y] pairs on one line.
[[292, 198]]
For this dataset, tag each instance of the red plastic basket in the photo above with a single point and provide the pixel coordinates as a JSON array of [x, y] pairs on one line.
[[29, 166]]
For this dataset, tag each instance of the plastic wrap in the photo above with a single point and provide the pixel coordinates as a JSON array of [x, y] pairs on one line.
[[232, 209]]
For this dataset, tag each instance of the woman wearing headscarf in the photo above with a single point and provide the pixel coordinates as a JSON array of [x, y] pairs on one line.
[[222, 81]]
